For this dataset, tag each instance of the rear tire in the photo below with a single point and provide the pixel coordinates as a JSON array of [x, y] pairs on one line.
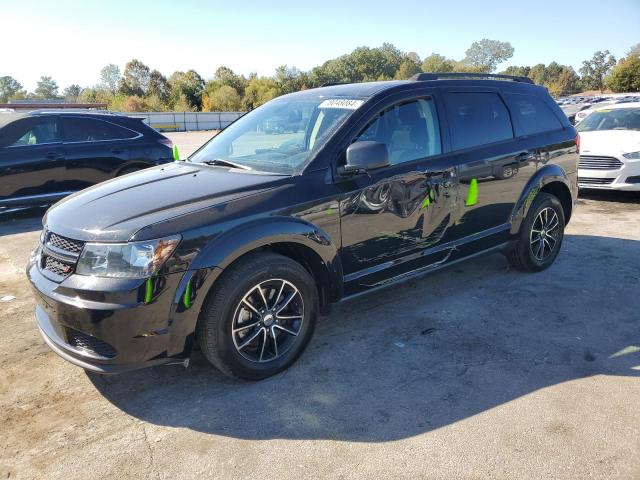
[[540, 237], [260, 316]]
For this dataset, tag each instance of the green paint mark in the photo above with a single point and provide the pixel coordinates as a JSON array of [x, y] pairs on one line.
[[329, 211], [431, 195], [176, 154], [186, 300], [427, 201], [472, 194], [148, 294]]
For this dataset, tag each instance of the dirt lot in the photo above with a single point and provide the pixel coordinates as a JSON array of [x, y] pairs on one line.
[[473, 372]]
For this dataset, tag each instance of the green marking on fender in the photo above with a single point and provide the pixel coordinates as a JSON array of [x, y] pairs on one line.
[[176, 154], [186, 300], [472, 194], [148, 294], [427, 201]]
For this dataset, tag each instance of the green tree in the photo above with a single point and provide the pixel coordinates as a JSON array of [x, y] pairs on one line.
[[110, 76], [625, 76], [158, 86], [436, 63], [186, 87], [9, 86], [487, 54], [290, 79], [182, 104], [594, 70], [46, 88], [517, 71], [135, 79], [408, 68], [72, 92], [225, 76], [224, 99], [259, 90]]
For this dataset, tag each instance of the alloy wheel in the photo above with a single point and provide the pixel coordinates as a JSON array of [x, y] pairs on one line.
[[267, 320], [545, 233]]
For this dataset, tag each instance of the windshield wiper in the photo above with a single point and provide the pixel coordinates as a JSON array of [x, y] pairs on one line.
[[220, 161]]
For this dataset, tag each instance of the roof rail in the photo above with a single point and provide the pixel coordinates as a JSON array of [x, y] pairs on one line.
[[74, 110], [331, 84], [421, 77]]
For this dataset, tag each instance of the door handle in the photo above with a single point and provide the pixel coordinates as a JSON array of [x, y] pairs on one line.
[[53, 156], [117, 151], [526, 157]]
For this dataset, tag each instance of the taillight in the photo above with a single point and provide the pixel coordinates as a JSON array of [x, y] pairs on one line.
[[578, 143], [165, 141]]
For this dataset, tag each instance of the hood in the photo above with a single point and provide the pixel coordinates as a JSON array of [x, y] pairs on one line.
[[115, 210], [609, 142]]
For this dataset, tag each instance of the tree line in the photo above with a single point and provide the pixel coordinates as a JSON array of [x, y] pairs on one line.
[[140, 88]]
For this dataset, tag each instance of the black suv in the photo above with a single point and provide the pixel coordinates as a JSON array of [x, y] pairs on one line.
[[240, 247], [45, 156]]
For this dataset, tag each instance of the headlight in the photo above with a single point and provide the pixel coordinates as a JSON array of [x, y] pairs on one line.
[[126, 260], [632, 155]]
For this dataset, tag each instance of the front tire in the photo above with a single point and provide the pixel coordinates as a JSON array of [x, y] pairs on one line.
[[260, 316], [540, 236]]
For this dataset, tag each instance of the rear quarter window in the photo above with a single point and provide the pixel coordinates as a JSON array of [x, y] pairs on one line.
[[533, 115], [477, 118], [78, 129]]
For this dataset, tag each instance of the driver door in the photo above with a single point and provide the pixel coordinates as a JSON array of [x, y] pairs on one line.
[[394, 219]]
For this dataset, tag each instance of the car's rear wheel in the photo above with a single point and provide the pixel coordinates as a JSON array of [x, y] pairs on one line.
[[540, 236], [259, 317]]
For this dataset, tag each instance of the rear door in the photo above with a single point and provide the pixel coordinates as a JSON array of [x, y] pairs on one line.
[[95, 149], [31, 161], [493, 168]]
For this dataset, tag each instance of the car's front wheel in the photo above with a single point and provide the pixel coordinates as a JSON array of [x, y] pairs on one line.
[[259, 317], [541, 235]]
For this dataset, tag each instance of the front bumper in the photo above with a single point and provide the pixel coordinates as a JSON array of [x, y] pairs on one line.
[[626, 178], [110, 325]]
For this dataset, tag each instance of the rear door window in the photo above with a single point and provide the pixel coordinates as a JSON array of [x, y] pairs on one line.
[[532, 114], [77, 129], [477, 118]]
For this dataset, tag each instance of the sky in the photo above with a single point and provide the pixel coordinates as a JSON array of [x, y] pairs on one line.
[[71, 40]]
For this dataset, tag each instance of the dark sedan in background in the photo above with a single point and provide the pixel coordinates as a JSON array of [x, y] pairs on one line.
[[47, 155]]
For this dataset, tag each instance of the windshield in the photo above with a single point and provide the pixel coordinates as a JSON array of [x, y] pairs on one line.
[[614, 119], [280, 136]]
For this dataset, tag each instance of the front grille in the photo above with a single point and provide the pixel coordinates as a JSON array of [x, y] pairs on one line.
[[60, 254], [57, 267], [63, 243], [90, 344], [594, 181], [599, 163]]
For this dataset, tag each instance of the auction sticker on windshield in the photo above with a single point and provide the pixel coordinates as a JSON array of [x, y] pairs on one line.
[[346, 103]]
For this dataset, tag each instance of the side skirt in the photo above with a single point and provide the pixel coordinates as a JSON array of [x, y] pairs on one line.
[[429, 269]]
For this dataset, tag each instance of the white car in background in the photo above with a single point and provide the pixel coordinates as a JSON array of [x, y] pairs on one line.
[[582, 114], [610, 148]]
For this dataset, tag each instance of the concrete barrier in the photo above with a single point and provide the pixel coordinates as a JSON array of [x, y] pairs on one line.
[[187, 121]]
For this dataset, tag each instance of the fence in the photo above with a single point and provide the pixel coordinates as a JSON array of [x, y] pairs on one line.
[[187, 121]]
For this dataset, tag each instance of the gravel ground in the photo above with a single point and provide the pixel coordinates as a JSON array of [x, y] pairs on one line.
[[473, 372]]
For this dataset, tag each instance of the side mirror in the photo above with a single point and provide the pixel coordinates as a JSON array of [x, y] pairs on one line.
[[365, 156]]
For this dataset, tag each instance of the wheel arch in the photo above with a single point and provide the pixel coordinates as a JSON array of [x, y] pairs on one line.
[[550, 179], [293, 238]]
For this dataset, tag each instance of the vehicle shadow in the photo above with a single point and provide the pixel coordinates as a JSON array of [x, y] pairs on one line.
[[613, 196], [419, 356]]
